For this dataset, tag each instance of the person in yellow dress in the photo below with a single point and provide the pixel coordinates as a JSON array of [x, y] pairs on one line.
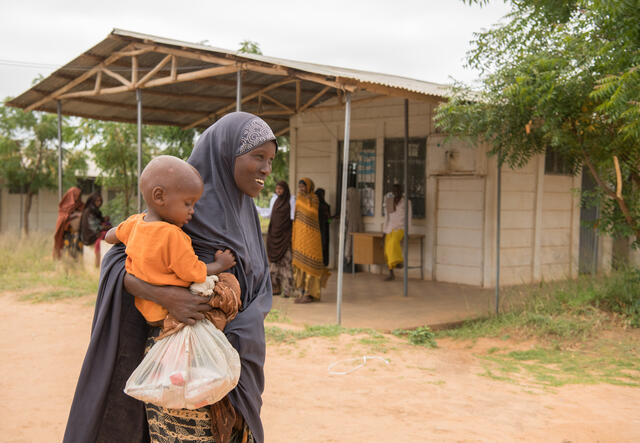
[[309, 273]]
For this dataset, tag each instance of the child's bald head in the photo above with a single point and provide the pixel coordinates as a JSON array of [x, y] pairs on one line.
[[170, 173], [166, 176]]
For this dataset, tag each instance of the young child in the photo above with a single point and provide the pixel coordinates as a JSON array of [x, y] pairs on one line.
[[158, 250]]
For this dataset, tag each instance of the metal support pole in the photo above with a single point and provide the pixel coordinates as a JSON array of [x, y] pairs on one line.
[[498, 206], [238, 91], [139, 100], [59, 105], [406, 199], [343, 203]]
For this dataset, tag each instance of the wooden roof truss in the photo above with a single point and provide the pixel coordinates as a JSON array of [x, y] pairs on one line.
[[124, 71]]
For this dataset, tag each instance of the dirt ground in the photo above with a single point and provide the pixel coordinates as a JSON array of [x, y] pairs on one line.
[[420, 395]]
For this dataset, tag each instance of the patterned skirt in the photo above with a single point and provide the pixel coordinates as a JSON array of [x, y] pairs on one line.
[[184, 425], [282, 275]]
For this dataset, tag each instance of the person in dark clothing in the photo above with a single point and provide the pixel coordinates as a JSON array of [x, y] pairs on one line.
[[324, 217], [279, 242], [92, 220], [93, 225], [233, 157]]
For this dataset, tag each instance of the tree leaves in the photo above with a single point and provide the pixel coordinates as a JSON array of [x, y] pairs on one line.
[[561, 75]]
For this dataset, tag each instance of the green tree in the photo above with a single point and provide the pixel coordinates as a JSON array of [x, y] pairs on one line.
[[29, 154], [565, 76], [114, 148], [172, 140], [250, 47]]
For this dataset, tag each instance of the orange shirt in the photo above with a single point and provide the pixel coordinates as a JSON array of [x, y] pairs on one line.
[[161, 254]]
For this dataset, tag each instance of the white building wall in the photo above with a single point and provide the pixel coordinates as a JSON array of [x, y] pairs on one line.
[[42, 217], [460, 216], [540, 213], [518, 206], [558, 228], [43, 214]]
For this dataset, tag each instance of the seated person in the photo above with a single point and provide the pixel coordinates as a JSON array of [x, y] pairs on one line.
[[157, 249]]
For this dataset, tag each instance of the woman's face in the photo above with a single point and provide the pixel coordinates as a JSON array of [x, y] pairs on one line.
[[98, 202], [252, 168], [302, 187], [279, 190]]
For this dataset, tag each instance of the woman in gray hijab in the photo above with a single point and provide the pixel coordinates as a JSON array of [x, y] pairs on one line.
[[233, 157]]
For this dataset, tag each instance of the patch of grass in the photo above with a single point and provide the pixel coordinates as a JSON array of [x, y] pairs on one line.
[[277, 316], [26, 266], [567, 321], [489, 374], [276, 334], [422, 336], [52, 294], [375, 343], [573, 310], [606, 362]]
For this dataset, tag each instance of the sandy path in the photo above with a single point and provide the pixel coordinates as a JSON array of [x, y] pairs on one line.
[[422, 395]]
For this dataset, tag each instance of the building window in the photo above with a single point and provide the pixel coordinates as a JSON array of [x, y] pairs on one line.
[[555, 164], [361, 172], [394, 170]]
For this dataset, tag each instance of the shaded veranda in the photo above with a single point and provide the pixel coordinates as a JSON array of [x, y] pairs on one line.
[[370, 302]]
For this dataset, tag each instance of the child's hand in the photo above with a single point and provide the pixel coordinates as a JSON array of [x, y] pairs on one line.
[[225, 259]]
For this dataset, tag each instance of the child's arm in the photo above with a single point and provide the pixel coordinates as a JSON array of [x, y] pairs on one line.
[[223, 261], [111, 236]]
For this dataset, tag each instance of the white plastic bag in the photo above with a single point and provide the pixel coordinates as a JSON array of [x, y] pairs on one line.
[[194, 367]]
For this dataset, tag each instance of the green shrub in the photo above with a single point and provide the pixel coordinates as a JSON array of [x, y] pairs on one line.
[[422, 336], [621, 294]]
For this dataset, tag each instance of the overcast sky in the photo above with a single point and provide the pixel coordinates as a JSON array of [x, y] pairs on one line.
[[422, 39]]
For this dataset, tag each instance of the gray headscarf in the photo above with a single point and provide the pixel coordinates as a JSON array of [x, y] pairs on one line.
[[226, 218]]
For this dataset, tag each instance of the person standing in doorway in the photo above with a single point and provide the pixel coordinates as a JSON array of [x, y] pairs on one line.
[[394, 228]]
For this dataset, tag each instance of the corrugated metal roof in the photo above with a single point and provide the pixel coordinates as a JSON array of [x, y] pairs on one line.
[[100, 84], [394, 81]]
